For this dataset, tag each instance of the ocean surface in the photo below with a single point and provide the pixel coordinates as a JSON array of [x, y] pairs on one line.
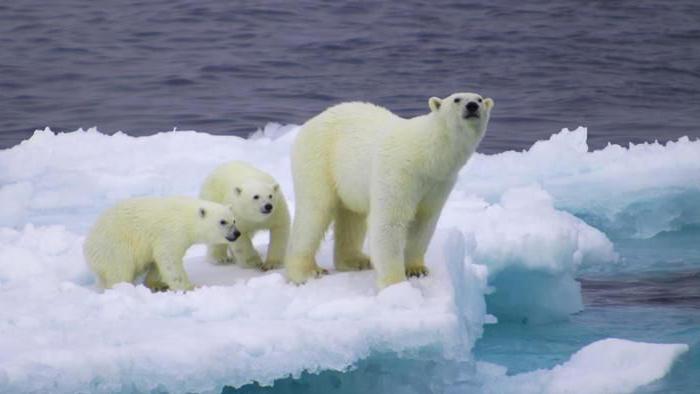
[[628, 70]]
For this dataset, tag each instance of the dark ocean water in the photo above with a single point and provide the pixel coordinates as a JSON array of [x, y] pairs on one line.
[[629, 70]]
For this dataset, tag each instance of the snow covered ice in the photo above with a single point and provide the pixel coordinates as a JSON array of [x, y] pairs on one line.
[[511, 238], [606, 366]]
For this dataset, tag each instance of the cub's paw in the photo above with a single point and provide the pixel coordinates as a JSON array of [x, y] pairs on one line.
[[416, 271], [157, 287], [253, 262], [358, 263], [270, 265], [225, 260]]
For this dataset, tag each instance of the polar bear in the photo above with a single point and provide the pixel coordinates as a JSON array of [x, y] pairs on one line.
[[152, 234], [361, 165], [258, 204]]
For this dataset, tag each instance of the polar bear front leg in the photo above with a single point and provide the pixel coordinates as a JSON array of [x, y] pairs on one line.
[[278, 245], [170, 267], [219, 254], [279, 236], [391, 211], [387, 242], [422, 229], [310, 224], [419, 234], [244, 252]]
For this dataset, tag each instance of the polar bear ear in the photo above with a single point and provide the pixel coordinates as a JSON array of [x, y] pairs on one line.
[[488, 103], [238, 191], [434, 104], [202, 213]]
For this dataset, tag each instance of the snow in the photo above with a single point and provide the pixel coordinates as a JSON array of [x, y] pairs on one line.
[[59, 334], [512, 236]]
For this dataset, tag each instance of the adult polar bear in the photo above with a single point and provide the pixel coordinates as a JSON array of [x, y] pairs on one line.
[[359, 164]]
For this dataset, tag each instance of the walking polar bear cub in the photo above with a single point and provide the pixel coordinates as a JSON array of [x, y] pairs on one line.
[[361, 165], [258, 204], [151, 235]]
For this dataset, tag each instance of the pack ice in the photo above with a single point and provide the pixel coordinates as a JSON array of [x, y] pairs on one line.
[[509, 242]]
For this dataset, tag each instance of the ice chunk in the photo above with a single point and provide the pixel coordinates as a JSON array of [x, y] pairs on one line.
[[532, 250], [634, 191], [60, 334], [604, 367]]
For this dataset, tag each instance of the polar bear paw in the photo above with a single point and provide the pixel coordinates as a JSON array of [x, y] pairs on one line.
[[356, 263], [225, 260], [302, 271], [270, 265], [416, 271]]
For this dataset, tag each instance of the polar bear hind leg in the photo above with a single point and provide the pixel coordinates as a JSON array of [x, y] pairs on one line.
[[350, 229], [114, 264]]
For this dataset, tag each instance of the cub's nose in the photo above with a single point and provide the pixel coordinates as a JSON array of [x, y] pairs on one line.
[[472, 106], [267, 208], [233, 236]]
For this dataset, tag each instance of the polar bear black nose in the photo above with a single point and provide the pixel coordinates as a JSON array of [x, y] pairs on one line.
[[268, 207], [234, 236], [472, 106]]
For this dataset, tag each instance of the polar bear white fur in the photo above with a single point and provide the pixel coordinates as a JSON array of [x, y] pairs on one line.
[[258, 204], [359, 164], [152, 234]]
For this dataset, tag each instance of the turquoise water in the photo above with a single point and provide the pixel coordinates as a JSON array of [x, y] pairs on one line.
[[525, 348], [651, 295]]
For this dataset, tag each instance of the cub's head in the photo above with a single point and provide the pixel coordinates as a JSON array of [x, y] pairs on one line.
[[463, 112], [215, 224], [255, 201]]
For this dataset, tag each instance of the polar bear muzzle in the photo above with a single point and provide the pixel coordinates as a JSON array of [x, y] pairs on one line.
[[233, 235], [266, 209], [471, 110]]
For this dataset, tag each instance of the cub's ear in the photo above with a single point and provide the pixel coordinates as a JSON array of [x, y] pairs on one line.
[[202, 212], [488, 103], [434, 104], [276, 187], [238, 191]]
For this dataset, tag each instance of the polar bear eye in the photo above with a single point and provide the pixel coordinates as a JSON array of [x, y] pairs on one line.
[[255, 197], [223, 222], [270, 196], [480, 100], [457, 100]]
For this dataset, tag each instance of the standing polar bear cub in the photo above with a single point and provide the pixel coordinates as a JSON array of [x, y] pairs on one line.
[[258, 204], [152, 234], [359, 164]]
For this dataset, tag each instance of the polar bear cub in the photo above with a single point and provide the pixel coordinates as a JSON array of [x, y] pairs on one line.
[[258, 204], [152, 234], [360, 165]]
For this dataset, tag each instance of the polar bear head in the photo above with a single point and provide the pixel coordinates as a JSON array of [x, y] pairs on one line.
[[215, 224], [255, 200], [463, 112]]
